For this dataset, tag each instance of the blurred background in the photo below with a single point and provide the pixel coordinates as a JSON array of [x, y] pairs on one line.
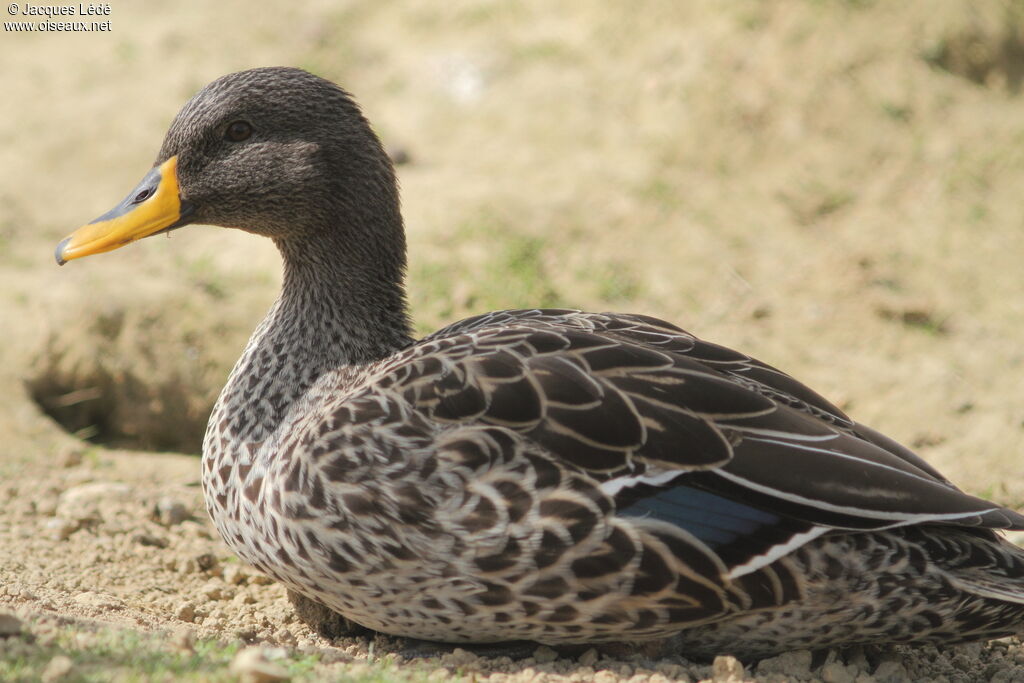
[[833, 187]]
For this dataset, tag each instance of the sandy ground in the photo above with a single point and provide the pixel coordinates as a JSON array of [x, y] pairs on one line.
[[832, 187]]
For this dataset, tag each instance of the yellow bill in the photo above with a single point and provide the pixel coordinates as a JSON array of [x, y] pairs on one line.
[[153, 206]]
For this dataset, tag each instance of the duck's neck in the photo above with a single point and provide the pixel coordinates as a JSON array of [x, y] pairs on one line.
[[341, 305], [339, 309]]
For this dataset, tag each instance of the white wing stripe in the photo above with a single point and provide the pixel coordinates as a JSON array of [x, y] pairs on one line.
[[775, 552], [612, 487], [846, 456], [898, 518]]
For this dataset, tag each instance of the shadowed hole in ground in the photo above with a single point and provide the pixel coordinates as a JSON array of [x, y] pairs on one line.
[[130, 378], [987, 52]]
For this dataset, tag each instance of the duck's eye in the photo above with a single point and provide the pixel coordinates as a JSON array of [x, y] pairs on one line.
[[237, 131]]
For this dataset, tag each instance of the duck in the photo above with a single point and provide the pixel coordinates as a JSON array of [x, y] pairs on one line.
[[545, 475]]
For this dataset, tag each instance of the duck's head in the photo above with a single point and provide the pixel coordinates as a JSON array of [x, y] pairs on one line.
[[273, 151]]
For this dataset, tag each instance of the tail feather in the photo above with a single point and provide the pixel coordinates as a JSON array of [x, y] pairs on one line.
[[992, 570], [991, 587]]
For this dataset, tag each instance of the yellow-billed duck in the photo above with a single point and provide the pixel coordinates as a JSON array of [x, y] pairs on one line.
[[548, 475]]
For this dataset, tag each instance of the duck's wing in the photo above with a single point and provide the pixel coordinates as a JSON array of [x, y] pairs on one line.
[[660, 335], [678, 429]]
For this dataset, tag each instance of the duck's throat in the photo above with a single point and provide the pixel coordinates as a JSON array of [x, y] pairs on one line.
[[329, 322]]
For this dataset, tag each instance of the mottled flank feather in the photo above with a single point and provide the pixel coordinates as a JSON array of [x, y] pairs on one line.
[[548, 475]]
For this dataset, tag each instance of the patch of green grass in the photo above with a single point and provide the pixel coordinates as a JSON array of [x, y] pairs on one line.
[[545, 51], [896, 112], [995, 491], [121, 655], [916, 318], [128, 656], [752, 17], [662, 192], [815, 201], [490, 267], [127, 51], [475, 15], [828, 5], [202, 272], [616, 283], [978, 213], [521, 278], [93, 457], [430, 289]]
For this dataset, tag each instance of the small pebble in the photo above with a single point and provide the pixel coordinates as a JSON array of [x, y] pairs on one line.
[[544, 654], [891, 671], [243, 598], [588, 658], [673, 671], [58, 668], [70, 456], [149, 540], [251, 666], [245, 634], [94, 492], [46, 507], [98, 600], [726, 669], [234, 575], [795, 663], [170, 512], [212, 590], [206, 561], [285, 637], [459, 659], [60, 528], [10, 625], [186, 612], [19, 592], [836, 672]]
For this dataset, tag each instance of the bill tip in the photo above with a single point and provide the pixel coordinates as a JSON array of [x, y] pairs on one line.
[[59, 251]]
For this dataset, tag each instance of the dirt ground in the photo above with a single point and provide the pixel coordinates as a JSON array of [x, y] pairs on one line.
[[833, 187]]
